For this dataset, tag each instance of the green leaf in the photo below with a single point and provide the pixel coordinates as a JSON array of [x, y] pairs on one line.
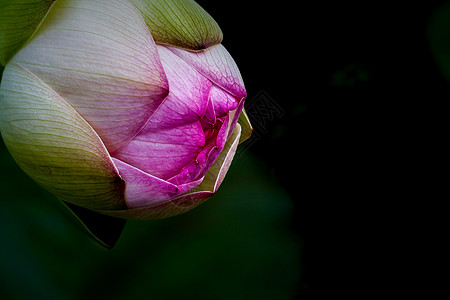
[[180, 23], [19, 20], [54, 145]]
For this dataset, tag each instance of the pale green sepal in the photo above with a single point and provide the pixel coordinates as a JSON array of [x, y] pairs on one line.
[[103, 229], [19, 20], [180, 23], [54, 145], [246, 126]]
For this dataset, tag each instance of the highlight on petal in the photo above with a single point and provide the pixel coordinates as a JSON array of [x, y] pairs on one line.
[[54, 145], [101, 58], [190, 200], [19, 20], [216, 64], [180, 23]]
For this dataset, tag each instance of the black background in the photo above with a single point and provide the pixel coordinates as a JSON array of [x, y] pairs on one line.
[[363, 103]]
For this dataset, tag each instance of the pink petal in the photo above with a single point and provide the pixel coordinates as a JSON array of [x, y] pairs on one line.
[[197, 168], [216, 64], [186, 202], [210, 115], [223, 102], [174, 135], [164, 153], [143, 189], [188, 88]]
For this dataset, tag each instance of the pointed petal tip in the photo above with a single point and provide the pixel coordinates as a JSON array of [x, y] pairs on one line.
[[247, 128]]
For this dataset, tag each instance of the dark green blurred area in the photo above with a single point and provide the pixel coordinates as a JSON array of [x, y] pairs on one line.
[[238, 245]]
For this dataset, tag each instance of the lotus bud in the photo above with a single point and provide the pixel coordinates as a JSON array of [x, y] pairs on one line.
[[126, 108]]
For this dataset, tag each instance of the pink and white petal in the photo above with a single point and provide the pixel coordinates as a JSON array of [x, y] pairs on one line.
[[223, 101], [216, 64], [173, 136], [164, 153], [100, 57], [193, 169], [198, 167], [189, 91], [209, 119], [143, 189], [222, 135], [188, 201], [219, 144]]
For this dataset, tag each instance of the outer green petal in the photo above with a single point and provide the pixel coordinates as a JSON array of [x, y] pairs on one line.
[[180, 23], [247, 128], [197, 196], [19, 20], [53, 144]]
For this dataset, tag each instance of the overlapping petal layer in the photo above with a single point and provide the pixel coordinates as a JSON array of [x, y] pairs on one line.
[[101, 58], [173, 136], [143, 189], [54, 145], [188, 131], [195, 197], [216, 64]]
